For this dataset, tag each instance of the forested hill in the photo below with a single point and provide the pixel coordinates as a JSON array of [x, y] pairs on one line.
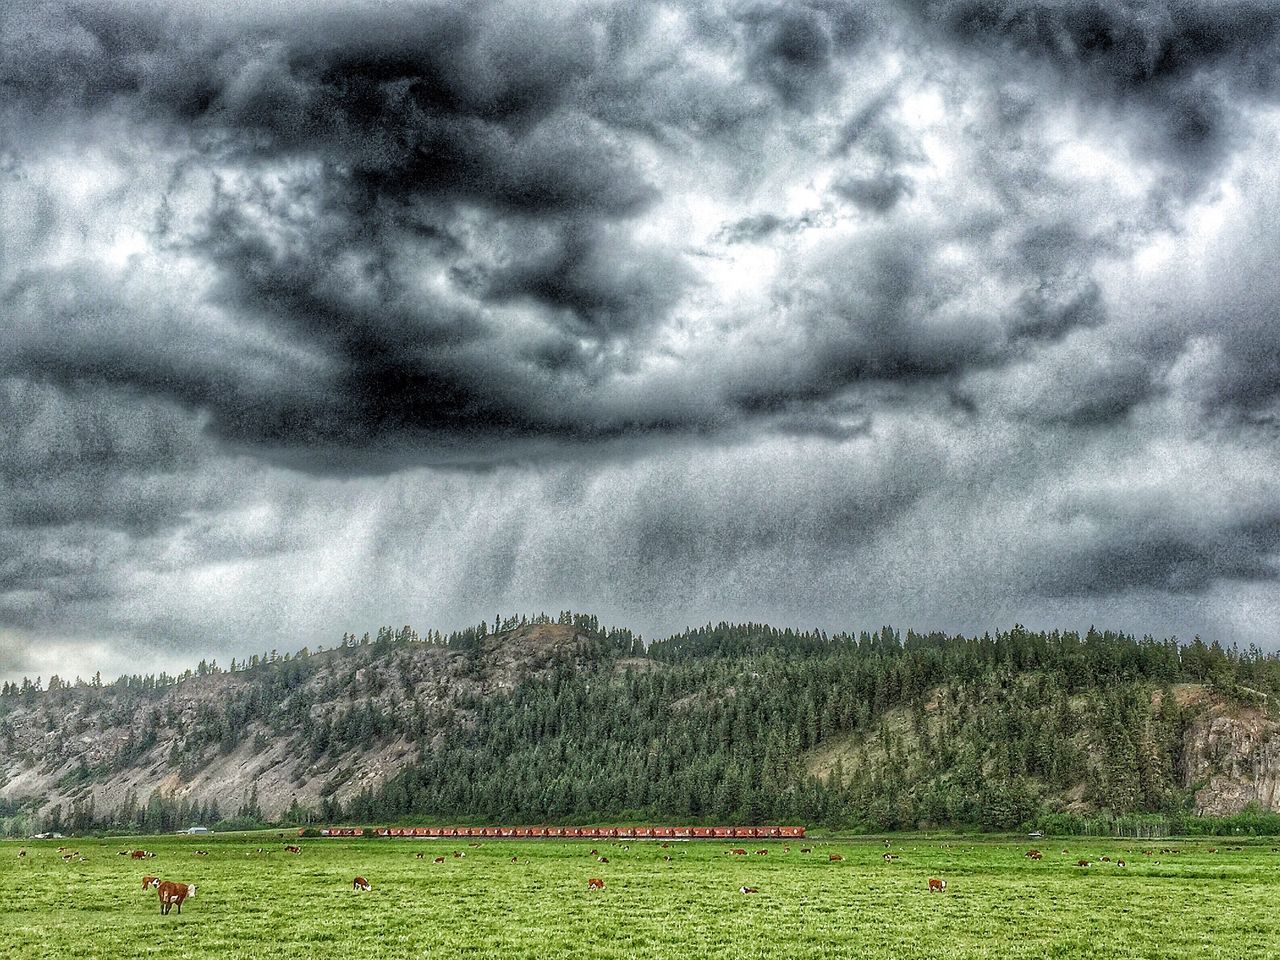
[[564, 720]]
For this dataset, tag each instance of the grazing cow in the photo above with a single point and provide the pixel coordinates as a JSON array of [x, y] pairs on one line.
[[595, 883], [1065, 851], [291, 848], [806, 850], [665, 845], [738, 852], [360, 883], [438, 860], [937, 886], [173, 894], [596, 853], [602, 859], [1213, 849], [666, 857], [515, 859], [835, 858], [1082, 863], [202, 853], [1106, 859], [459, 856], [762, 853], [1121, 863], [1034, 854], [748, 889], [138, 855], [150, 881]]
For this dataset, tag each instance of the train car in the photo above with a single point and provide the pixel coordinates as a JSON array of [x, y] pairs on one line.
[[589, 832], [492, 832], [506, 831], [521, 831], [792, 831], [722, 831], [626, 833], [664, 832], [643, 833], [701, 832], [537, 831], [683, 833]]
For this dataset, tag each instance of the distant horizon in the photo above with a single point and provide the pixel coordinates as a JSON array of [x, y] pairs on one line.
[[242, 659]]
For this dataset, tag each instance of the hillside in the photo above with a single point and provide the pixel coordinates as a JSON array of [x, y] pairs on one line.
[[566, 720]]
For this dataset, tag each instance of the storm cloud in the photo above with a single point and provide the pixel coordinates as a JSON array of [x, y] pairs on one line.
[[323, 315]]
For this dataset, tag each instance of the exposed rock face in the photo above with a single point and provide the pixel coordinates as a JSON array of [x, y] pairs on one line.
[[1233, 757], [68, 746]]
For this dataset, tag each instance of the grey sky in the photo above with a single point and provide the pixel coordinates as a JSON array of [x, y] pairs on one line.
[[321, 316]]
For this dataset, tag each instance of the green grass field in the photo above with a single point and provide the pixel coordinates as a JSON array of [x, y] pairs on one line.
[[998, 903]]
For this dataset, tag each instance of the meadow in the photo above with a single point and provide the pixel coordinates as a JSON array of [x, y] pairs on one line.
[[998, 903]]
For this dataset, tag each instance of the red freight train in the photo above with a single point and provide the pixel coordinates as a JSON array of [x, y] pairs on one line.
[[622, 833]]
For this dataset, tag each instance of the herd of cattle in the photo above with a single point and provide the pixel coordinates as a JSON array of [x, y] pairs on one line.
[[173, 894]]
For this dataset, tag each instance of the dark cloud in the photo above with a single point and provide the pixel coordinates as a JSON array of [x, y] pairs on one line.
[[1141, 541], [1181, 67], [769, 309]]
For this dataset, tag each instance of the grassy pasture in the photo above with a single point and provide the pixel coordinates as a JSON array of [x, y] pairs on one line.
[[998, 903]]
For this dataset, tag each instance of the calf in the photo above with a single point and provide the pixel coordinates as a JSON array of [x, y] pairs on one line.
[[360, 883], [738, 852], [438, 860], [150, 881], [291, 848], [138, 855], [1082, 863], [595, 883], [762, 853], [937, 886], [172, 894], [748, 889], [1034, 854], [1121, 863], [602, 859]]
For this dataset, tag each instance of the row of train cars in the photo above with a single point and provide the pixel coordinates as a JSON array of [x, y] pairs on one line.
[[621, 833]]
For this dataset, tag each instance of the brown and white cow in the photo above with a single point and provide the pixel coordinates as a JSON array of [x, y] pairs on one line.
[[748, 889], [602, 859], [762, 853], [173, 894], [292, 848], [140, 855], [937, 885], [1082, 863], [835, 858], [738, 852], [150, 881], [1034, 854], [360, 883], [438, 860], [595, 883]]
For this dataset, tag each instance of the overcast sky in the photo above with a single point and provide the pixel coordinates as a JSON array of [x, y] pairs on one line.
[[943, 314]]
